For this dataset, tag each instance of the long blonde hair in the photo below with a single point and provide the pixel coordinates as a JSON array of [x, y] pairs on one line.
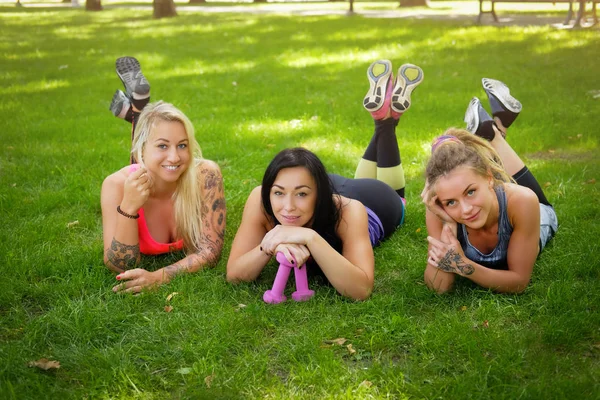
[[460, 148], [187, 200]]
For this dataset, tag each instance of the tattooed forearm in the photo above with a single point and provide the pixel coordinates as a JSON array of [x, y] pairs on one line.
[[123, 256], [453, 262], [182, 266]]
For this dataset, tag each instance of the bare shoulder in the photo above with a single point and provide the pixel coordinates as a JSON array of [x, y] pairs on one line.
[[352, 213], [253, 210], [522, 202], [116, 179], [519, 195]]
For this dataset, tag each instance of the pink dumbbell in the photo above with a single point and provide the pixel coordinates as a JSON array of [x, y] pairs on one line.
[[302, 293]]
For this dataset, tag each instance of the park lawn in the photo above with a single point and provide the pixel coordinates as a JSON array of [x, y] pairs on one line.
[[252, 85]]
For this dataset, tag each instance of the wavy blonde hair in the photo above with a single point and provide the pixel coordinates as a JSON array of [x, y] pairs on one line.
[[470, 151], [187, 200]]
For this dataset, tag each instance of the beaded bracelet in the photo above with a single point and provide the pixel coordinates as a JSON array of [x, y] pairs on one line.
[[123, 213]]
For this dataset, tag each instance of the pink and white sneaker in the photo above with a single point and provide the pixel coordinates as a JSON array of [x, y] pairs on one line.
[[378, 99]]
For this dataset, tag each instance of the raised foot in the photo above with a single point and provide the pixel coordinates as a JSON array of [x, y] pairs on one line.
[[408, 78], [378, 73], [130, 73]]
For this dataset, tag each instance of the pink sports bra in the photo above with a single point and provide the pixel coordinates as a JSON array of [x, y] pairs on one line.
[[148, 245]]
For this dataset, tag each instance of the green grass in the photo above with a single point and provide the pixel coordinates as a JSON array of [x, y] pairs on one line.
[[59, 141]]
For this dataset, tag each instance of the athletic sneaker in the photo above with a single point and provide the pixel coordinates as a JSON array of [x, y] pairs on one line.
[[378, 98], [120, 104], [504, 106], [130, 72], [479, 121], [409, 77]]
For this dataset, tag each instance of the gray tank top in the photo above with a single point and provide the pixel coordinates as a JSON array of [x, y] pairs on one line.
[[497, 258]]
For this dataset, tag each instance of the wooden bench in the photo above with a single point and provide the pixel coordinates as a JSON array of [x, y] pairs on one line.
[[580, 12]]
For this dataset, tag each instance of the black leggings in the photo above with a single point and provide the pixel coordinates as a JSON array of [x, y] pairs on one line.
[[374, 194], [525, 178]]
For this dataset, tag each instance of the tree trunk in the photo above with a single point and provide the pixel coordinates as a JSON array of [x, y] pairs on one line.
[[93, 5], [413, 3], [164, 8]]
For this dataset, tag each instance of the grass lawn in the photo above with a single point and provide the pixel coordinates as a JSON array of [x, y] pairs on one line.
[[252, 85]]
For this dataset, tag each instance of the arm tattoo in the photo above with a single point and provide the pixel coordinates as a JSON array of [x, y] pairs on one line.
[[123, 256], [213, 226], [452, 257]]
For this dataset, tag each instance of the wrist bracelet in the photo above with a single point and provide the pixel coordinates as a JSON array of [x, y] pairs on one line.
[[123, 213]]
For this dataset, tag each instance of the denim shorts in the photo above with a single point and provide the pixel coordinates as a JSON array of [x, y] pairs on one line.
[[548, 224]]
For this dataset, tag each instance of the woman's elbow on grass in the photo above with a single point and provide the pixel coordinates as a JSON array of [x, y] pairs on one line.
[[438, 284]]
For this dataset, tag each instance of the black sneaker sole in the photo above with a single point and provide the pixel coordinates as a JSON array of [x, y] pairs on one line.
[[138, 83]]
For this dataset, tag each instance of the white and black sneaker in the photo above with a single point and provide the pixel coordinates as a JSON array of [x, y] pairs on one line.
[[136, 85], [503, 105], [479, 121], [408, 78], [120, 104], [377, 99]]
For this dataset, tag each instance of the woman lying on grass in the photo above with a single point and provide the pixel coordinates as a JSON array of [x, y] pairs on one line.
[[487, 216], [332, 221], [167, 200]]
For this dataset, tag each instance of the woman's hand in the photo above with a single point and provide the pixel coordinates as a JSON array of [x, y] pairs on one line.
[[286, 235], [296, 254], [430, 200], [447, 255], [136, 191], [135, 280]]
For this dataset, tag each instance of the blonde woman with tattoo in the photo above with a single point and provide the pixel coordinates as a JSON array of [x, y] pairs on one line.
[[487, 216], [169, 199]]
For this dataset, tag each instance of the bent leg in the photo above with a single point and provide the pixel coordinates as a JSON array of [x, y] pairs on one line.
[[514, 165]]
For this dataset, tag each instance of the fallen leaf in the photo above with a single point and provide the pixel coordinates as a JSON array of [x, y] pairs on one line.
[[184, 371], [72, 224], [547, 184], [168, 308], [45, 364], [486, 324], [366, 384], [208, 380], [14, 185], [463, 308], [240, 306], [591, 181], [339, 341], [350, 349], [418, 230], [169, 297], [234, 83], [579, 135], [551, 151]]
